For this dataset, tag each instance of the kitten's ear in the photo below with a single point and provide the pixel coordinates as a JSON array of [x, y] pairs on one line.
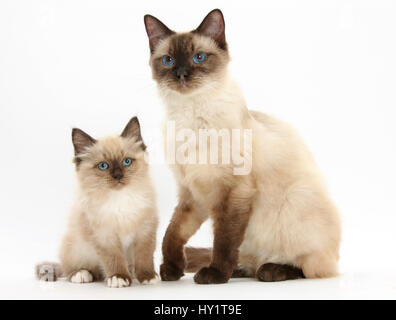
[[213, 26], [156, 30], [81, 140], [132, 130]]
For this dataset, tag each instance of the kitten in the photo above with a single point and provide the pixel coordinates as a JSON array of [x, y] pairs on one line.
[[112, 228], [276, 222]]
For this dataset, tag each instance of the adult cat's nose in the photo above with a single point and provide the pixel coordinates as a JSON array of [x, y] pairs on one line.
[[117, 174], [181, 72]]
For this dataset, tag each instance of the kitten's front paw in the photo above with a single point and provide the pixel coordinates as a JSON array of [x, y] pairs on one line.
[[147, 277], [169, 272], [118, 281], [153, 280], [210, 275], [82, 276]]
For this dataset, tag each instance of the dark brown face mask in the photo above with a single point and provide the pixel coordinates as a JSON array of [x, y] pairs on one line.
[[82, 141], [187, 66]]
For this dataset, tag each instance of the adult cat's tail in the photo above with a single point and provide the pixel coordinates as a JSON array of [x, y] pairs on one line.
[[48, 271], [197, 258]]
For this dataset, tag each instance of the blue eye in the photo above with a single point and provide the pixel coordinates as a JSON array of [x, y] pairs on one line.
[[199, 57], [103, 166], [127, 162], [168, 61]]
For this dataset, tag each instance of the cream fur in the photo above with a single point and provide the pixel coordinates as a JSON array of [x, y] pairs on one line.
[[109, 219], [293, 220]]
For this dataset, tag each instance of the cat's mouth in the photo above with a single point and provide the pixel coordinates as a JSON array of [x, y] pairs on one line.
[[182, 81], [183, 85], [119, 184]]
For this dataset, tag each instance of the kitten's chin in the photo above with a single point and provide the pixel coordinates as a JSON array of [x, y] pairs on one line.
[[118, 185], [183, 87]]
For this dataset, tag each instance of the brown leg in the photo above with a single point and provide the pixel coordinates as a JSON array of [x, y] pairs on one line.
[[185, 222], [278, 272], [144, 247], [231, 218], [113, 261]]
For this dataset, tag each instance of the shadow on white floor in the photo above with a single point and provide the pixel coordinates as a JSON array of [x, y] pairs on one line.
[[346, 286]]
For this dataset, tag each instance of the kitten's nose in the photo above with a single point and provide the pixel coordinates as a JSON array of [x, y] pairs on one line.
[[117, 174], [181, 72]]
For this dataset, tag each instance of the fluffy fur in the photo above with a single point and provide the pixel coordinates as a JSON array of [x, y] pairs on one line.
[[271, 223], [112, 228]]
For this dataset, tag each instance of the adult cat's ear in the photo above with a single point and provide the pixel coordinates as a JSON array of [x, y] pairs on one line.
[[132, 130], [156, 31], [213, 26], [81, 140]]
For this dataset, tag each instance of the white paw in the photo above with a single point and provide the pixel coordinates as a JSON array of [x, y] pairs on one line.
[[152, 281], [82, 276], [116, 282]]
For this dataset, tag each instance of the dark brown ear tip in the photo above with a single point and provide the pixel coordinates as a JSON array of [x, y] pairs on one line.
[[147, 17], [81, 133], [216, 10], [135, 120], [75, 131]]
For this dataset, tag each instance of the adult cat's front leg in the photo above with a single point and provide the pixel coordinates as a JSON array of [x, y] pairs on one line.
[[231, 217], [185, 222]]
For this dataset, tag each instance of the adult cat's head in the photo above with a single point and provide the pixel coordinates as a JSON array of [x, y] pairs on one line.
[[111, 162], [187, 62]]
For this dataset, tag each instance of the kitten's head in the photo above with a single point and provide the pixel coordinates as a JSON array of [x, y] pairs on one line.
[[186, 62], [111, 162]]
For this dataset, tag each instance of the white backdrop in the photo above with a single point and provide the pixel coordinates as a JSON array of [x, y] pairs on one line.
[[327, 67]]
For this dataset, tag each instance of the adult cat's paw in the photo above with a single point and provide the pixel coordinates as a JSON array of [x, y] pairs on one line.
[[82, 276], [169, 272], [118, 281], [210, 275]]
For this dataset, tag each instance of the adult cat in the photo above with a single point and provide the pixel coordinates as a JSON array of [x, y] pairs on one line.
[[275, 223]]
